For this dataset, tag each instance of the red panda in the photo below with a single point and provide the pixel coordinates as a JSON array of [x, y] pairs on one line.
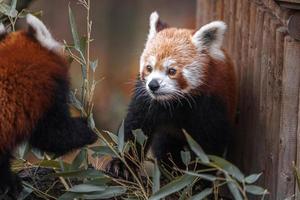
[[34, 90], [186, 81]]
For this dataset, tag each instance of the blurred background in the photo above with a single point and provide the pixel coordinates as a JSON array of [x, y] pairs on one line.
[[119, 31]]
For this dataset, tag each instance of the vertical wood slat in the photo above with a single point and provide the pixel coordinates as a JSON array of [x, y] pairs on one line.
[[268, 136], [289, 118]]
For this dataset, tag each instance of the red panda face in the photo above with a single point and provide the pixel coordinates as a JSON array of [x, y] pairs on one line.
[[174, 61]]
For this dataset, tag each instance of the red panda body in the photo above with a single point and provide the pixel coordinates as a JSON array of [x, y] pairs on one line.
[[186, 81], [34, 91], [27, 86]]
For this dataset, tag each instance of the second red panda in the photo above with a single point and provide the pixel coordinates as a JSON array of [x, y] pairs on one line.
[[186, 81], [34, 91]]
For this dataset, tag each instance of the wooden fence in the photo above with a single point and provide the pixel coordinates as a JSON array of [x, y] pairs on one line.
[[267, 61]]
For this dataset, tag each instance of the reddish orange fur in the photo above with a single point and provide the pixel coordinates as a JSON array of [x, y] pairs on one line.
[[27, 71], [220, 80]]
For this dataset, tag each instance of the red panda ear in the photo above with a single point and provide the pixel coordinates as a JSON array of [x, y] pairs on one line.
[[42, 34], [210, 38], [156, 25]]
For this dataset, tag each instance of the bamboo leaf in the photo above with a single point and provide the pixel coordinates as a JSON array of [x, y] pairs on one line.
[[202, 194], [185, 157], [110, 192], [103, 150], [7, 10], [252, 178], [112, 136], [172, 187], [121, 138], [196, 148], [256, 190], [233, 189], [69, 196], [207, 177], [78, 160], [86, 188], [228, 167], [139, 136], [25, 193], [74, 29], [13, 12], [89, 173], [94, 65], [156, 178]]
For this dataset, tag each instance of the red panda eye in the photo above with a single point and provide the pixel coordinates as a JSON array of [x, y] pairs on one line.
[[172, 71], [149, 68]]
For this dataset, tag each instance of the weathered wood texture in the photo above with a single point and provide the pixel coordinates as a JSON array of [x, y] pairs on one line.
[[267, 62]]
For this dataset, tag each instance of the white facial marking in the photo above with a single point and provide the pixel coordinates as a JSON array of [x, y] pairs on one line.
[[150, 61], [42, 34], [193, 74], [2, 29], [210, 37], [168, 62], [167, 85]]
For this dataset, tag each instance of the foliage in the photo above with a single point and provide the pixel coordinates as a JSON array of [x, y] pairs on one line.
[[153, 181]]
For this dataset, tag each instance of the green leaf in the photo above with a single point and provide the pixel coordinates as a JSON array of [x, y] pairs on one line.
[[7, 10], [112, 136], [207, 177], [102, 150], [98, 181], [172, 187], [75, 102], [83, 41], [256, 190], [94, 65], [185, 157], [110, 192], [121, 138], [202, 194], [156, 178], [196, 148], [13, 11], [38, 153], [25, 193], [78, 160], [74, 29], [139, 136], [228, 167], [91, 122], [22, 150], [69, 196], [89, 173], [50, 164], [233, 189], [252, 178], [86, 188]]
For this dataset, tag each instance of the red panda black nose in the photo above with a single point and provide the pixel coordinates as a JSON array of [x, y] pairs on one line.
[[153, 85]]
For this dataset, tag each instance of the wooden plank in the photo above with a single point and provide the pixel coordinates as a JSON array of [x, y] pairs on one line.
[[272, 112], [243, 65], [289, 118], [219, 10], [257, 156], [232, 28], [226, 18], [277, 102]]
